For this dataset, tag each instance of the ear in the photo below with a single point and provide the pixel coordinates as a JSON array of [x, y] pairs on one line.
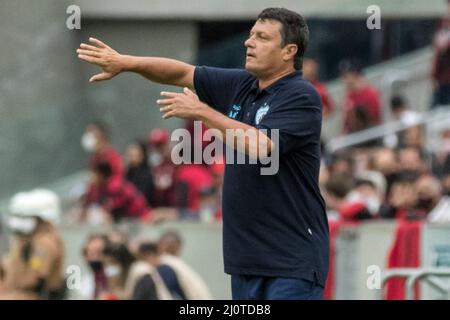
[[290, 50]]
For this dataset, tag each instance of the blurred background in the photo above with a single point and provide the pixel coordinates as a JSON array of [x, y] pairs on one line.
[[385, 159]]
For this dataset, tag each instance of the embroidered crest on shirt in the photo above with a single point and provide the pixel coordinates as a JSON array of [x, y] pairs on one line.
[[261, 113], [235, 109]]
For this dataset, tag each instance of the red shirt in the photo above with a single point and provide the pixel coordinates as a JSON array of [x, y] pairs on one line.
[[195, 177], [441, 63], [164, 181], [369, 98], [123, 200], [111, 156], [327, 102]]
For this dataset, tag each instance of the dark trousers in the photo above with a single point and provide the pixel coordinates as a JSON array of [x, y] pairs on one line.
[[267, 288]]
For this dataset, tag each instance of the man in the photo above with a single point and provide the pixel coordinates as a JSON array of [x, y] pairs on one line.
[[311, 73], [119, 198], [441, 62], [362, 100], [96, 141], [34, 265], [274, 226]]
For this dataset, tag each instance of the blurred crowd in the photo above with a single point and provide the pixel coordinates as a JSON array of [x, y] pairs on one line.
[[146, 185]]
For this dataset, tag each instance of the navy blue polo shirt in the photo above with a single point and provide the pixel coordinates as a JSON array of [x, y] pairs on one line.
[[273, 225]]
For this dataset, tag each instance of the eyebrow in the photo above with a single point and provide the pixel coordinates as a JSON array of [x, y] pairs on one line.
[[260, 33]]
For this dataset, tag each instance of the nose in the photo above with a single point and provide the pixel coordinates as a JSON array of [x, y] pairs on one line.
[[249, 43]]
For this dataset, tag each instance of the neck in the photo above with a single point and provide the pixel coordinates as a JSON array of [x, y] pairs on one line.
[[264, 82]]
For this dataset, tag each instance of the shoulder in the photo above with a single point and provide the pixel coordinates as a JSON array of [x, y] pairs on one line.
[[300, 92]]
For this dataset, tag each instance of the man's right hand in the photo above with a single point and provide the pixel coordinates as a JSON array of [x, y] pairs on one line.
[[103, 56]]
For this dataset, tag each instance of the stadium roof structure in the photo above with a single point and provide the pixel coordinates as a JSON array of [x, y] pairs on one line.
[[241, 9]]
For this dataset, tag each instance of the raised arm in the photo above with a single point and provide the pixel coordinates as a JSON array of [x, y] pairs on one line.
[[161, 70]]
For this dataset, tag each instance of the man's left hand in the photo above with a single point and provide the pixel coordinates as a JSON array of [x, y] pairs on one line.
[[185, 105]]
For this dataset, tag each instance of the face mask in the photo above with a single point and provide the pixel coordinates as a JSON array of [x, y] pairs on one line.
[[22, 225], [88, 142], [425, 204], [372, 203], [155, 158], [113, 271], [96, 265]]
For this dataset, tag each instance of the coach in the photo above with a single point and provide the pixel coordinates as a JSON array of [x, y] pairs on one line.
[[275, 230]]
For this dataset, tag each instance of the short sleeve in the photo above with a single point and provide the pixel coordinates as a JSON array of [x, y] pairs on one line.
[[217, 86], [298, 118]]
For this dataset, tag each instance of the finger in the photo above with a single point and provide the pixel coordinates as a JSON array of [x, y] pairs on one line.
[[187, 91], [169, 94], [100, 77], [89, 53], [90, 59], [89, 47], [98, 43], [169, 114], [165, 101], [165, 109]]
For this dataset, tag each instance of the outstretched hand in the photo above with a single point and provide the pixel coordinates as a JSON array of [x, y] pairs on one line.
[[102, 55]]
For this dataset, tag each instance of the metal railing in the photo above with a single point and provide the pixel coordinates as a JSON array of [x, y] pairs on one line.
[[439, 115], [412, 275]]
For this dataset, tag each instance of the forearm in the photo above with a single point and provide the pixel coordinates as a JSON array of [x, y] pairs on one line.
[[236, 134], [161, 70]]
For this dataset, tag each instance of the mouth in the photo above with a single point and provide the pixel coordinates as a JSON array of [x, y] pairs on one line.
[[250, 55]]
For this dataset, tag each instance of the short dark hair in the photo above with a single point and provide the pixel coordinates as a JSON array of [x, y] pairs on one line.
[[294, 30], [397, 102], [104, 169], [148, 249]]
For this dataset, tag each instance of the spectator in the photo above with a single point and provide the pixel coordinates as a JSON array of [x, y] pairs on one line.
[[163, 169], [430, 201], [362, 101], [401, 111], [138, 171], [192, 285], [191, 179], [34, 265], [148, 283], [118, 198], [441, 63], [366, 193], [402, 198], [94, 284], [310, 71], [412, 159], [118, 262], [384, 160], [342, 162], [336, 190], [170, 243], [96, 140]]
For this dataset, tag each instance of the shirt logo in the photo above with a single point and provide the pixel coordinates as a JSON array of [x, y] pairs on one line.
[[261, 113], [235, 109]]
